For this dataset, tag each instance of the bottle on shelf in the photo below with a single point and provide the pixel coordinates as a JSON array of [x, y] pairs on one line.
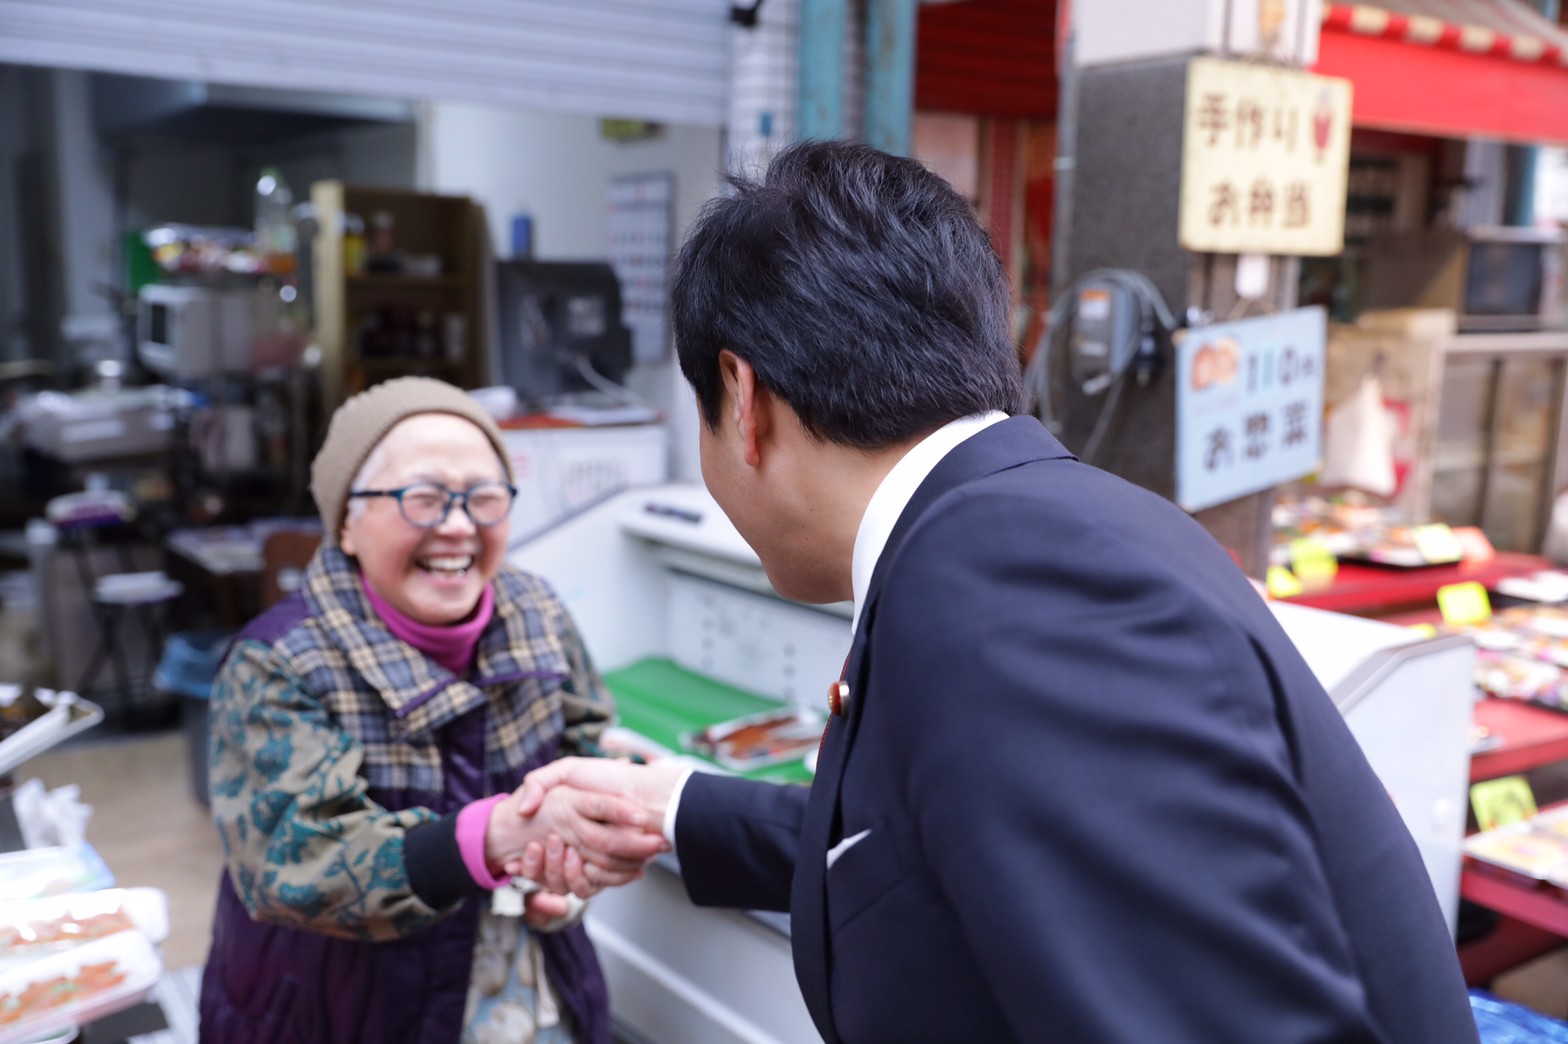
[[383, 243], [276, 237], [353, 244]]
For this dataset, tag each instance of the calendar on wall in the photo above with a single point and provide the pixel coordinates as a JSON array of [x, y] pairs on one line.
[[640, 233]]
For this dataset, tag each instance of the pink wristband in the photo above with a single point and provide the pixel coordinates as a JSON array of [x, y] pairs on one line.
[[472, 822]]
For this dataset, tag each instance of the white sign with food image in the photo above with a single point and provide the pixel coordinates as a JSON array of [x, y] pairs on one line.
[[1265, 160], [1249, 405]]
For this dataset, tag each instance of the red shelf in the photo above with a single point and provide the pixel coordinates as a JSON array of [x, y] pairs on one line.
[[1530, 737], [1543, 905], [1368, 589], [1512, 943]]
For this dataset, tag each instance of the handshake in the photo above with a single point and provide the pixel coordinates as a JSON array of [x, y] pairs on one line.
[[581, 825]]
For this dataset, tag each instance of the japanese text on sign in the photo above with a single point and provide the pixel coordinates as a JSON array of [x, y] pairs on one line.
[[1249, 406], [1265, 159]]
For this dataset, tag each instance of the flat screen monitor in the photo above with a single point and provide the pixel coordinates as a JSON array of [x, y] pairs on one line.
[[557, 319]]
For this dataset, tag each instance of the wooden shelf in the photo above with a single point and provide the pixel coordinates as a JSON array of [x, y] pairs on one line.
[[448, 227], [411, 362], [400, 281], [1473, 459]]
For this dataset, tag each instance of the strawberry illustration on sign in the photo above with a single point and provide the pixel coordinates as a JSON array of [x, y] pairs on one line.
[[1322, 122], [1271, 19]]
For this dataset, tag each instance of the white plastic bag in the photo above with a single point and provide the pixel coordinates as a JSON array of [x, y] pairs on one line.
[[1358, 442], [50, 818]]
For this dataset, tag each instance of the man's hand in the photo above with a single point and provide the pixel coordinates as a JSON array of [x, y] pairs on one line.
[[605, 832], [562, 866], [646, 786]]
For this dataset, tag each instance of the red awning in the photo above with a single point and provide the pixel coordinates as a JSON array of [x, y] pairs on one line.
[[1455, 68]]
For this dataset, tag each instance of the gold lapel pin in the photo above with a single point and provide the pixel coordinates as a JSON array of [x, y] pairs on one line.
[[838, 697]]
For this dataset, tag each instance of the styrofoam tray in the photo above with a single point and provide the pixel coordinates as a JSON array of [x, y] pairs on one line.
[[67, 715], [130, 952]]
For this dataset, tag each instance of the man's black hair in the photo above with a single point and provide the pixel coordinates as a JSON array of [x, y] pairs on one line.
[[859, 286]]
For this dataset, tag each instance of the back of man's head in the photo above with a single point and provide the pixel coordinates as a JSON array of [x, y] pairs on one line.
[[861, 289]]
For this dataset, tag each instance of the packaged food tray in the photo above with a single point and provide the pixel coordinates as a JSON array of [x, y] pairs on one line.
[[75, 986]]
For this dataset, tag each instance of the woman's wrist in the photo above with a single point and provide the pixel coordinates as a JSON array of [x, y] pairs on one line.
[[476, 841]]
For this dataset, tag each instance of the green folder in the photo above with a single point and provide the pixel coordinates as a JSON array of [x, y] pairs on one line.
[[660, 700]]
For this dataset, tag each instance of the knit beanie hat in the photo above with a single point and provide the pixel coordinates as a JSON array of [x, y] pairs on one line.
[[363, 421]]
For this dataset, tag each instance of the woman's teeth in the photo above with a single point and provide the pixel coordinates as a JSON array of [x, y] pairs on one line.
[[447, 565]]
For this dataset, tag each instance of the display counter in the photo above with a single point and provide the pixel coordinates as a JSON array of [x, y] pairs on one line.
[[1371, 590], [678, 971], [1533, 915]]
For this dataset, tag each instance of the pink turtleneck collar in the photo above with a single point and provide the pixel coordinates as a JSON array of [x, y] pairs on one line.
[[450, 645]]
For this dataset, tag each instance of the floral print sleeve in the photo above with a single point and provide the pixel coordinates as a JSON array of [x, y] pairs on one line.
[[305, 846]]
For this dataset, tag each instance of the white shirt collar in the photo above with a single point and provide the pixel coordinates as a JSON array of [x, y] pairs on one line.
[[895, 491]]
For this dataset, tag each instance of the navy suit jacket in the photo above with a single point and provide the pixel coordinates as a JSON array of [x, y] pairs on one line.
[[1106, 798]]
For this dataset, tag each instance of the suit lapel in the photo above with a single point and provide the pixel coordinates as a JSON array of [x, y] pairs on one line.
[[1007, 444], [808, 894]]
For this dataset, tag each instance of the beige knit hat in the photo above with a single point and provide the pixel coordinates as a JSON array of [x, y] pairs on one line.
[[363, 420]]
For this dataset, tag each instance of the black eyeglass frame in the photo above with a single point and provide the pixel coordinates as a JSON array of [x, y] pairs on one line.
[[452, 497]]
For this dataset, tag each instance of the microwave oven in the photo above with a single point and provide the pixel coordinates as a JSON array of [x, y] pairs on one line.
[[185, 332], [1496, 280]]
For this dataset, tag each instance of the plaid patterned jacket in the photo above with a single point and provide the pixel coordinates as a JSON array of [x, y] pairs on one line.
[[327, 746]]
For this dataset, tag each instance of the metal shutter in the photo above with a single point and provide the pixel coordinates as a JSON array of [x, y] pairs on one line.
[[663, 60]]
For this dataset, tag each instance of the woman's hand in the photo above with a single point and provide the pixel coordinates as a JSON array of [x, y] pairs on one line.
[[543, 910], [582, 829], [564, 865]]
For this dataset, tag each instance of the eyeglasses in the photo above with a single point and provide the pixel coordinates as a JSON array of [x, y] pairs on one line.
[[427, 505]]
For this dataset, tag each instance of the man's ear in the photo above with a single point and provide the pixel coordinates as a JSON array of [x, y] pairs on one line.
[[749, 402]]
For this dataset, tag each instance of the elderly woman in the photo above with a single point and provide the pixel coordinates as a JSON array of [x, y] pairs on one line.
[[367, 734]]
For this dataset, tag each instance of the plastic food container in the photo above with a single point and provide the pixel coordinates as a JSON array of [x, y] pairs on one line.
[[758, 740], [31, 927], [1521, 850], [1518, 678], [35, 873], [60, 990]]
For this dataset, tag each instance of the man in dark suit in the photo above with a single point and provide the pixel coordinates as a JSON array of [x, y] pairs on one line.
[[1078, 785]]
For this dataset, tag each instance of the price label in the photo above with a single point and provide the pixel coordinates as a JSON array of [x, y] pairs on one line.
[[1282, 583], [1474, 545], [1499, 802], [1464, 604], [1437, 543], [1312, 562]]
